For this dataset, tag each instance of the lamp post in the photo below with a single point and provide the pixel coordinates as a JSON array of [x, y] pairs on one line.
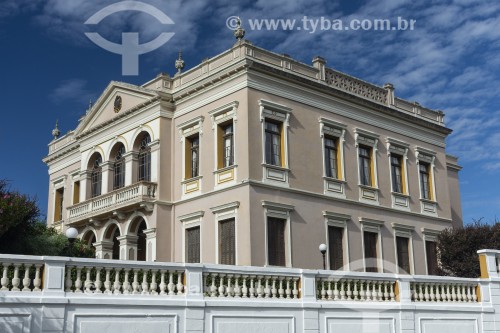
[[322, 249], [71, 233]]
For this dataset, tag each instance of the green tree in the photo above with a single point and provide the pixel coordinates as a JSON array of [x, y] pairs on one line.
[[23, 232], [457, 247]]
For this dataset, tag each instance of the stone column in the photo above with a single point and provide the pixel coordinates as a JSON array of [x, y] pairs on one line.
[[319, 63], [107, 177], [128, 247], [103, 250], [155, 160], [131, 164], [85, 183], [150, 244]]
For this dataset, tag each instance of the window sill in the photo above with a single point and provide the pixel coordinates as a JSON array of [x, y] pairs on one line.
[[400, 201], [234, 166], [368, 194], [225, 176], [336, 180], [334, 187], [367, 187], [275, 174], [277, 167], [428, 207], [189, 180]]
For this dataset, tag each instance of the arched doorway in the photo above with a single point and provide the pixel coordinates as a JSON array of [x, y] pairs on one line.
[[116, 244], [141, 241]]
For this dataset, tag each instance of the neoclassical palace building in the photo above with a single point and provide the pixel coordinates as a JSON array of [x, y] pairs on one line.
[[254, 158]]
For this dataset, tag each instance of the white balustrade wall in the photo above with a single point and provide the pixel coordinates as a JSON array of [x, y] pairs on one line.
[[75, 295]]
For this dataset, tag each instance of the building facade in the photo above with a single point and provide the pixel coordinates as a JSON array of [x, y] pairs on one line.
[[253, 158]]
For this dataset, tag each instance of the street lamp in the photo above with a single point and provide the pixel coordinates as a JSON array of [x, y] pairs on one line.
[[71, 233], [322, 249]]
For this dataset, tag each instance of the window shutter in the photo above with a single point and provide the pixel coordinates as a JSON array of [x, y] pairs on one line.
[[336, 247], [193, 245], [227, 242], [402, 244], [370, 239], [432, 264], [276, 241]]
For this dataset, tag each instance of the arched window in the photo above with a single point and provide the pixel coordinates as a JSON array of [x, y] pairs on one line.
[[96, 177], [141, 242], [145, 159], [119, 168]]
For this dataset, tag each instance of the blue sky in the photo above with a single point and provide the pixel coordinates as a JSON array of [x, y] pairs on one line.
[[49, 70]]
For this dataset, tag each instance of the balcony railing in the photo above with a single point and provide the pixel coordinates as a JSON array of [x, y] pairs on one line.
[[118, 199]]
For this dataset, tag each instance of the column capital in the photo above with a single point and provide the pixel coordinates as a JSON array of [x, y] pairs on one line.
[[127, 239], [150, 233]]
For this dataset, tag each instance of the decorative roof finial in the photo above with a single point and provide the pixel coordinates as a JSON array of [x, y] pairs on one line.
[[239, 32], [56, 132], [90, 106], [179, 63]]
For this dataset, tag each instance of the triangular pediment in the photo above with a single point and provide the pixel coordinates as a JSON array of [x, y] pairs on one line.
[[116, 99]]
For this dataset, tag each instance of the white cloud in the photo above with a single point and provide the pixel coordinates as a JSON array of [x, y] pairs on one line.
[[72, 90]]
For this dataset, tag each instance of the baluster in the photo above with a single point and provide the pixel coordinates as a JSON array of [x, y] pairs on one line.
[[448, 294], [244, 289], [469, 296], [368, 291], [443, 293], [88, 282], [280, 290], [459, 292], [221, 286], [380, 295], [392, 295], [474, 295], [135, 283], [180, 284], [329, 292], [374, 291], [213, 288], [78, 282], [274, 291], [349, 293], [322, 285], [107, 282], [426, 295], [386, 291], [237, 288], [98, 283], [171, 285], [355, 293], [288, 291], [68, 283], [342, 292], [362, 293], [126, 283], [453, 295], [295, 289], [154, 286], [267, 290], [260, 290], [421, 293], [229, 288], [26, 280], [252, 289], [117, 285], [163, 285], [145, 284], [37, 281], [5, 280], [16, 280]]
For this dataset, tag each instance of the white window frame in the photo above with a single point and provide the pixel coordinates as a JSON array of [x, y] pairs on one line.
[[406, 231], [57, 184], [375, 226], [225, 176], [190, 221], [399, 200], [191, 186], [75, 177], [430, 235], [427, 207], [338, 220], [222, 213], [277, 175], [280, 211], [327, 127], [368, 194]]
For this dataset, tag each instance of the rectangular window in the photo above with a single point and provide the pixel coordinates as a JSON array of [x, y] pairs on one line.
[[193, 245], [276, 241], [397, 173], [365, 165], [227, 246], [273, 143], [370, 242], [431, 253], [119, 174], [336, 247], [96, 181], [425, 181], [226, 145], [76, 192], [331, 157], [145, 165], [59, 205], [402, 247], [192, 156]]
